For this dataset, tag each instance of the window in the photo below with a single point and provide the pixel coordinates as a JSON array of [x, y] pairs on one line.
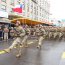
[[3, 0], [12, 2], [28, 6], [3, 7], [18, 1], [10, 9], [24, 5], [35, 10], [34, 1], [31, 7]]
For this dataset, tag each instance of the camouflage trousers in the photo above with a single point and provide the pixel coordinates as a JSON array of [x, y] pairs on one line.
[[55, 35], [40, 40], [60, 35], [50, 35], [17, 41], [24, 44]]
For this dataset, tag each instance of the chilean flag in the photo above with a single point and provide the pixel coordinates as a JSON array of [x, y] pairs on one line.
[[18, 8]]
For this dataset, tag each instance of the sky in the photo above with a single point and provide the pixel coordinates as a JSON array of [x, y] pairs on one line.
[[57, 9]]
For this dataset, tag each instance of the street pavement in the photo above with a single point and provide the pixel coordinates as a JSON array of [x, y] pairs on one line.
[[50, 54]]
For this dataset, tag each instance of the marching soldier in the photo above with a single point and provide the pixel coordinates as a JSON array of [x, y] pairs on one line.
[[55, 33], [40, 32], [58, 32], [50, 32], [20, 33], [27, 34], [46, 32], [64, 33], [61, 33], [25, 38]]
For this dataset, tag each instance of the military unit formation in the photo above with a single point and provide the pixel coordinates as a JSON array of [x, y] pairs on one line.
[[23, 33]]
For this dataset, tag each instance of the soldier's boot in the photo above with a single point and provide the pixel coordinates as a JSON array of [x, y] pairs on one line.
[[61, 38], [40, 42], [26, 45], [7, 50], [18, 55], [39, 46], [21, 45]]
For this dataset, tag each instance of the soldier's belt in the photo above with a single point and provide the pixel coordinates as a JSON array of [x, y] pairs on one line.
[[17, 36]]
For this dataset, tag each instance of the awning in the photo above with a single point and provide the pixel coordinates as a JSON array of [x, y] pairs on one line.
[[26, 21], [4, 20], [13, 18]]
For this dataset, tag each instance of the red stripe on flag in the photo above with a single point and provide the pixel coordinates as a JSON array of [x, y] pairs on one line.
[[19, 10]]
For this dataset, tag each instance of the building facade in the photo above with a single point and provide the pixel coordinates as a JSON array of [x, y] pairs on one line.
[[33, 9]]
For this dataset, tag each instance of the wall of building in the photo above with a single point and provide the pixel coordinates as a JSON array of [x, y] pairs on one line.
[[32, 9]]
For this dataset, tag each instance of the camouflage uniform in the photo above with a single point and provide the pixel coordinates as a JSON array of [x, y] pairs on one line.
[[19, 34], [24, 41], [61, 33], [41, 35], [46, 32], [55, 33], [27, 34], [64, 33], [50, 32]]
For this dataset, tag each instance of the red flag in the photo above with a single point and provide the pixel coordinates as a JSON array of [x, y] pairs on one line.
[[18, 8]]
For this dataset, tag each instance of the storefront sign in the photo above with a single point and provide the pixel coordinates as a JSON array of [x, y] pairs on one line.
[[3, 14]]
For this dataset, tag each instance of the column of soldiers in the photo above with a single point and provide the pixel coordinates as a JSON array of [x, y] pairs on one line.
[[41, 32]]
